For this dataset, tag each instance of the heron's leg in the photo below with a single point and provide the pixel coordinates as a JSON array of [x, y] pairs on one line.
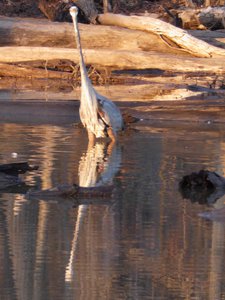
[[91, 137], [111, 134]]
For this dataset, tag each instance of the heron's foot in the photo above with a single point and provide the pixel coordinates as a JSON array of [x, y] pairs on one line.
[[111, 134]]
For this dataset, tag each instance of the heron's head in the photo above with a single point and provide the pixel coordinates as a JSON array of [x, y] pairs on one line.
[[73, 11]]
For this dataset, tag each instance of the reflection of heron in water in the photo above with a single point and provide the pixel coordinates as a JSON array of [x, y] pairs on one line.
[[99, 115], [97, 167]]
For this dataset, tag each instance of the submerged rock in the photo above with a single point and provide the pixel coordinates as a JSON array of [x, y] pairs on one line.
[[9, 174], [204, 187], [16, 168]]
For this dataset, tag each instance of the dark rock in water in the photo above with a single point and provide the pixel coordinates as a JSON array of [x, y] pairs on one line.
[[204, 187], [16, 168], [9, 175], [72, 191], [217, 215]]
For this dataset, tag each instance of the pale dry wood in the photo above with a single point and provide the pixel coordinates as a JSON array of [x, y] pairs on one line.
[[115, 59], [9, 70], [179, 36], [33, 32]]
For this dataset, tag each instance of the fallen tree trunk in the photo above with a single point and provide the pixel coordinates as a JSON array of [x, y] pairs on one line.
[[36, 32], [179, 36], [32, 32], [114, 59]]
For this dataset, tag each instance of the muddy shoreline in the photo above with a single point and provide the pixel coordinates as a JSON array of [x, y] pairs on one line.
[[163, 113], [158, 99]]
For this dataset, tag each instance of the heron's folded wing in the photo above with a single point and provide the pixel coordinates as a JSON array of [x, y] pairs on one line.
[[110, 113]]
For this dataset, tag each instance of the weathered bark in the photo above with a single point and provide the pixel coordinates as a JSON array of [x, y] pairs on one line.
[[42, 33], [22, 32], [179, 36], [9, 70], [115, 59], [32, 32]]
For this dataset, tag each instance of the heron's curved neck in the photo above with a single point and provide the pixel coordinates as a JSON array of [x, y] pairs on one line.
[[83, 69]]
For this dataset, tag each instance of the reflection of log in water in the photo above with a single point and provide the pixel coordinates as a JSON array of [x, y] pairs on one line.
[[7, 284], [97, 166], [73, 192]]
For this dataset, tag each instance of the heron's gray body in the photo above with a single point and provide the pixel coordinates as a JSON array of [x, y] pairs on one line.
[[97, 113]]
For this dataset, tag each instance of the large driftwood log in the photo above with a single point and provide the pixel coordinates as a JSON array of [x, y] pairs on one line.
[[32, 32], [115, 59], [179, 36]]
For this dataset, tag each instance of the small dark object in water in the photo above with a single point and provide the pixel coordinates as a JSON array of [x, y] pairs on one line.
[[72, 191], [9, 174], [129, 119], [17, 168], [204, 187]]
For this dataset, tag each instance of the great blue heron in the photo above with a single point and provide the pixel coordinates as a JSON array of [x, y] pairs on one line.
[[99, 115]]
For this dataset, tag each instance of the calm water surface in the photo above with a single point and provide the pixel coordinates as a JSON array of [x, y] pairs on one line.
[[145, 242]]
